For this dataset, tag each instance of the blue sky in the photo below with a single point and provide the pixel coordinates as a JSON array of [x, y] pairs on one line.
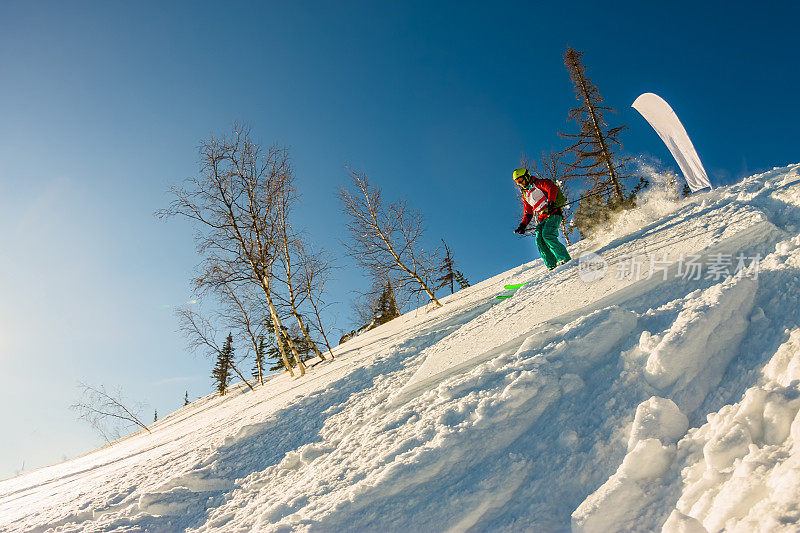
[[103, 105]]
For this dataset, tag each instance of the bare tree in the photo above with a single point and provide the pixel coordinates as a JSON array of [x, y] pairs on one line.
[[290, 254], [235, 200], [106, 411], [202, 335], [315, 269], [550, 165], [386, 240]]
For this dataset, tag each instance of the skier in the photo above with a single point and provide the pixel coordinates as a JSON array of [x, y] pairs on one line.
[[544, 198]]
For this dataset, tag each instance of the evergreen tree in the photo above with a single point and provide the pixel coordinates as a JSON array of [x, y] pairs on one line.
[[593, 212], [258, 367], [222, 369], [391, 310], [446, 270], [273, 353], [386, 308], [305, 346], [273, 356], [461, 280], [593, 151], [186, 399], [449, 274], [593, 156], [155, 416]]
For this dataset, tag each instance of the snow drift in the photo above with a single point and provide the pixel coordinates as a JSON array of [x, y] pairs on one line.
[[640, 399]]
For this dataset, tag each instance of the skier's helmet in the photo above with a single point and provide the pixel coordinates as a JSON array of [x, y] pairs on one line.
[[522, 177]]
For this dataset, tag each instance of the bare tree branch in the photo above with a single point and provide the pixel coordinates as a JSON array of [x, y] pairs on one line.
[[201, 335], [101, 409], [386, 241], [315, 269]]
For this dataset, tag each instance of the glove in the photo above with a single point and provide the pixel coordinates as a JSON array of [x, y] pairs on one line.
[[521, 229]]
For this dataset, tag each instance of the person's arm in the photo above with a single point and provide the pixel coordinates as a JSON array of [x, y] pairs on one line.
[[526, 217], [528, 212]]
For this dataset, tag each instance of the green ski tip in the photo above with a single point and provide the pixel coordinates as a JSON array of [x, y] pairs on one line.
[[517, 286], [504, 296]]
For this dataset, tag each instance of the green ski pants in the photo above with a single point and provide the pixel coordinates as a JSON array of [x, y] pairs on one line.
[[550, 248]]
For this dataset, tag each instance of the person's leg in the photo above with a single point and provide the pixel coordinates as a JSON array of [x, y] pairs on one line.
[[544, 250], [550, 236]]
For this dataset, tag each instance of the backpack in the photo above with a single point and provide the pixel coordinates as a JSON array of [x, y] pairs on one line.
[[561, 200]]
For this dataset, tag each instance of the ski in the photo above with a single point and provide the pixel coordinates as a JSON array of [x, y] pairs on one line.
[[512, 287]]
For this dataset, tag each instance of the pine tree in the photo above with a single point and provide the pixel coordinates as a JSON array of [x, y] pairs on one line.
[[273, 356], [446, 270], [273, 353], [258, 367], [155, 416], [392, 309], [449, 274], [222, 372], [186, 399], [593, 212], [593, 156], [386, 308], [593, 149], [305, 346], [462, 281]]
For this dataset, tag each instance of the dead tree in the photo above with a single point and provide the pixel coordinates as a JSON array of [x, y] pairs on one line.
[[593, 152], [104, 411], [386, 241], [234, 199]]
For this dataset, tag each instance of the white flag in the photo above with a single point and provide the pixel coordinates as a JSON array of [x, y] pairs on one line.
[[664, 120]]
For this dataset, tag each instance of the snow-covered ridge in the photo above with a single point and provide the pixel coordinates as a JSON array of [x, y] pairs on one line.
[[627, 402]]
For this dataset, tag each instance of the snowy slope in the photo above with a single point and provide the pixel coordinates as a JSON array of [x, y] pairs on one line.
[[614, 404]]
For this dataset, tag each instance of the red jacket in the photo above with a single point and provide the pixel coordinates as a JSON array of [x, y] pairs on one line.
[[535, 197]]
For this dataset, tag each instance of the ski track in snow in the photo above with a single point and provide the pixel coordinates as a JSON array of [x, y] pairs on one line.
[[616, 405]]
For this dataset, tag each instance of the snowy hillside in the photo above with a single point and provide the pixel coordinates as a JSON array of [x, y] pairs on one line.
[[653, 385]]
